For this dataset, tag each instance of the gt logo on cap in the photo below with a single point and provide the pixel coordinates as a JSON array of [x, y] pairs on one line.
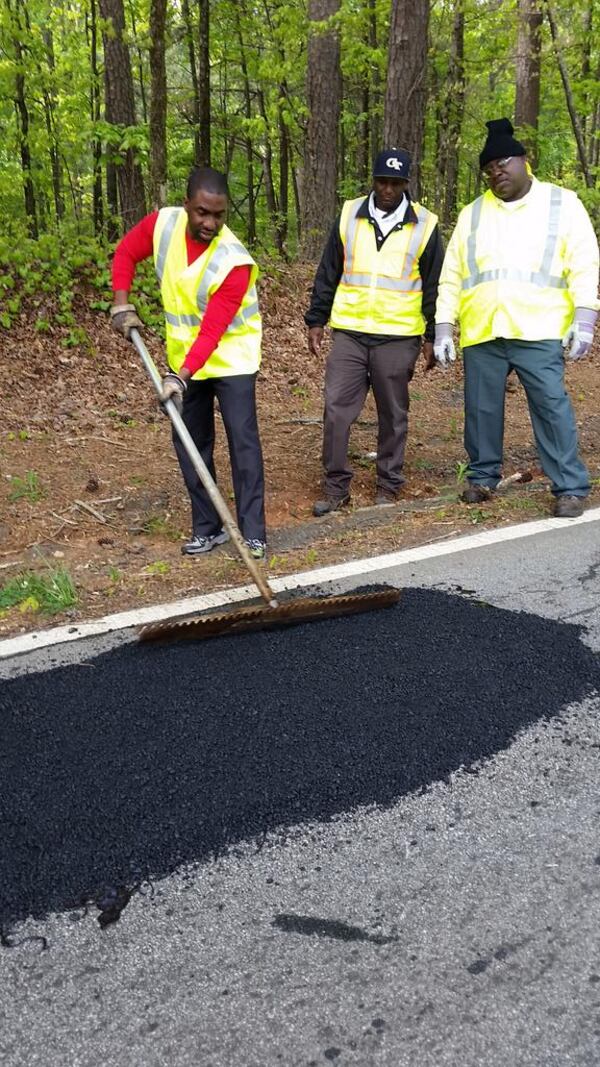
[[392, 163]]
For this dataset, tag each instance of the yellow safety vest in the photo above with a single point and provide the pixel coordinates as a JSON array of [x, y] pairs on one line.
[[186, 290], [380, 291], [512, 266]]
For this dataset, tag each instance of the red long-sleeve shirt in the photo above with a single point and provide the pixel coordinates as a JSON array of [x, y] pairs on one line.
[[222, 306]]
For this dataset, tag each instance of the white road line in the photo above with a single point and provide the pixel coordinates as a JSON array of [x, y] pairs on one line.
[[123, 620]]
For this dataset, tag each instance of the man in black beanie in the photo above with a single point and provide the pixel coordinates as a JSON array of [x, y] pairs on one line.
[[520, 278], [376, 285]]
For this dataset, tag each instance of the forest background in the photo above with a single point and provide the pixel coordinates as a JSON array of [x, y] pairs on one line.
[[104, 107], [106, 104]]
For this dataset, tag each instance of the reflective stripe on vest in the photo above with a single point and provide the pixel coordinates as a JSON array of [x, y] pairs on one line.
[[404, 283], [217, 259], [214, 265], [246, 313], [181, 320], [165, 240], [541, 277]]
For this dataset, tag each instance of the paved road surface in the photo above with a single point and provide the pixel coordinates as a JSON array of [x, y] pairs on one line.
[[372, 841]]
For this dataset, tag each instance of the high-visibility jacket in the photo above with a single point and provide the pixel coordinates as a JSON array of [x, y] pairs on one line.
[[519, 269], [380, 292], [186, 290]]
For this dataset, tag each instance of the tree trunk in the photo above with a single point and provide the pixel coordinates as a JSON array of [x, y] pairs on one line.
[[576, 124], [595, 134], [23, 121], [406, 89], [53, 137], [586, 70], [204, 84], [375, 118], [120, 110], [189, 37], [140, 64], [284, 175], [251, 222], [451, 117], [527, 104], [323, 92], [158, 104], [297, 203], [112, 199], [95, 111]]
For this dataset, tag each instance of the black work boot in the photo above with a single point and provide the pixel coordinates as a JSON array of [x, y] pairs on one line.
[[568, 507], [476, 494], [330, 503], [385, 496]]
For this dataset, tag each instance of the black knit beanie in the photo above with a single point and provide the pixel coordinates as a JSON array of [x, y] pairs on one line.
[[500, 142]]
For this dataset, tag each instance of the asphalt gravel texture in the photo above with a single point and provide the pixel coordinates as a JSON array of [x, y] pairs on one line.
[[116, 771]]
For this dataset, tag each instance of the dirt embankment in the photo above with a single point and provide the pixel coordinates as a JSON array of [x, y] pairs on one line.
[[89, 483]]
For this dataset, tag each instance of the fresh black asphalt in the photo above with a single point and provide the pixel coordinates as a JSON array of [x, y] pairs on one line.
[[116, 771]]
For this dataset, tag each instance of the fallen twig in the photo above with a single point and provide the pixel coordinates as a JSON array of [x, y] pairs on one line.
[[299, 422], [97, 514], [98, 437], [63, 519]]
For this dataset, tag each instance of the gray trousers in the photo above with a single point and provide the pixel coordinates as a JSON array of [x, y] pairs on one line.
[[353, 367], [540, 368]]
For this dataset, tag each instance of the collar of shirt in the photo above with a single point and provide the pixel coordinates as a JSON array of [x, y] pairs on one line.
[[408, 213], [387, 220]]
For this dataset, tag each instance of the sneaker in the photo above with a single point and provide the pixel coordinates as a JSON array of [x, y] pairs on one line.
[[331, 503], [476, 494], [385, 496], [568, 507], [257, 548], [198, 545]]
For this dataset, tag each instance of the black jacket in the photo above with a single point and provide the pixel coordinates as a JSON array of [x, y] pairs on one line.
[[331, 266]]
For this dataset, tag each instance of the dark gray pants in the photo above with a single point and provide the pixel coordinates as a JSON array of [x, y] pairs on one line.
[[353, 367], [237, 404], [540, 367]]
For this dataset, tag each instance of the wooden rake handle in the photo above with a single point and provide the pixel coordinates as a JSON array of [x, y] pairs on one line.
[[204, 475]]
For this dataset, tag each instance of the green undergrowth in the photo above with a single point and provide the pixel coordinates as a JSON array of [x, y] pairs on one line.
[[48, 593], [45, 278]]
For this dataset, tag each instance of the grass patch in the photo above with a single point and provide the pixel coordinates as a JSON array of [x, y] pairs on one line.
[[525, 503], [27, 488], [161, 526], [159, 567], [35, 592]]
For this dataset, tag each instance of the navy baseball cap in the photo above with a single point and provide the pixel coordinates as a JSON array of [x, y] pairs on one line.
[[392, 163]]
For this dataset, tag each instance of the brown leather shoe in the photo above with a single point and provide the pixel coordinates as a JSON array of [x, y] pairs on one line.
[[476, 494], [568, 507], [330, 503]]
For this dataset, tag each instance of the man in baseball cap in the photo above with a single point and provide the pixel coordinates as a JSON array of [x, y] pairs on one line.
[[376, 285]]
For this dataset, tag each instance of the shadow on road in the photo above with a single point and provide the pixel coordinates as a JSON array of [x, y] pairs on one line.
[[149, 756]]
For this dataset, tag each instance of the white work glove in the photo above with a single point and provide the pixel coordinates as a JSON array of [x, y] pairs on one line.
[[124, 319], [443, 346], [578, 338], [173, 388]]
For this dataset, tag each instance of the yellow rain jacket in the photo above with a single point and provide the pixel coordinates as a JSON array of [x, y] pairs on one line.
[[519, 269], [380, 291], [186, 290]]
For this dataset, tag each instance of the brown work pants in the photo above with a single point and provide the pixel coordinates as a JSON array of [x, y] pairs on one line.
[[353, 367]]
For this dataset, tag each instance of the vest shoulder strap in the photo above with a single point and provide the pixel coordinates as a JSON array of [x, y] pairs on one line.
[[168, 217]]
